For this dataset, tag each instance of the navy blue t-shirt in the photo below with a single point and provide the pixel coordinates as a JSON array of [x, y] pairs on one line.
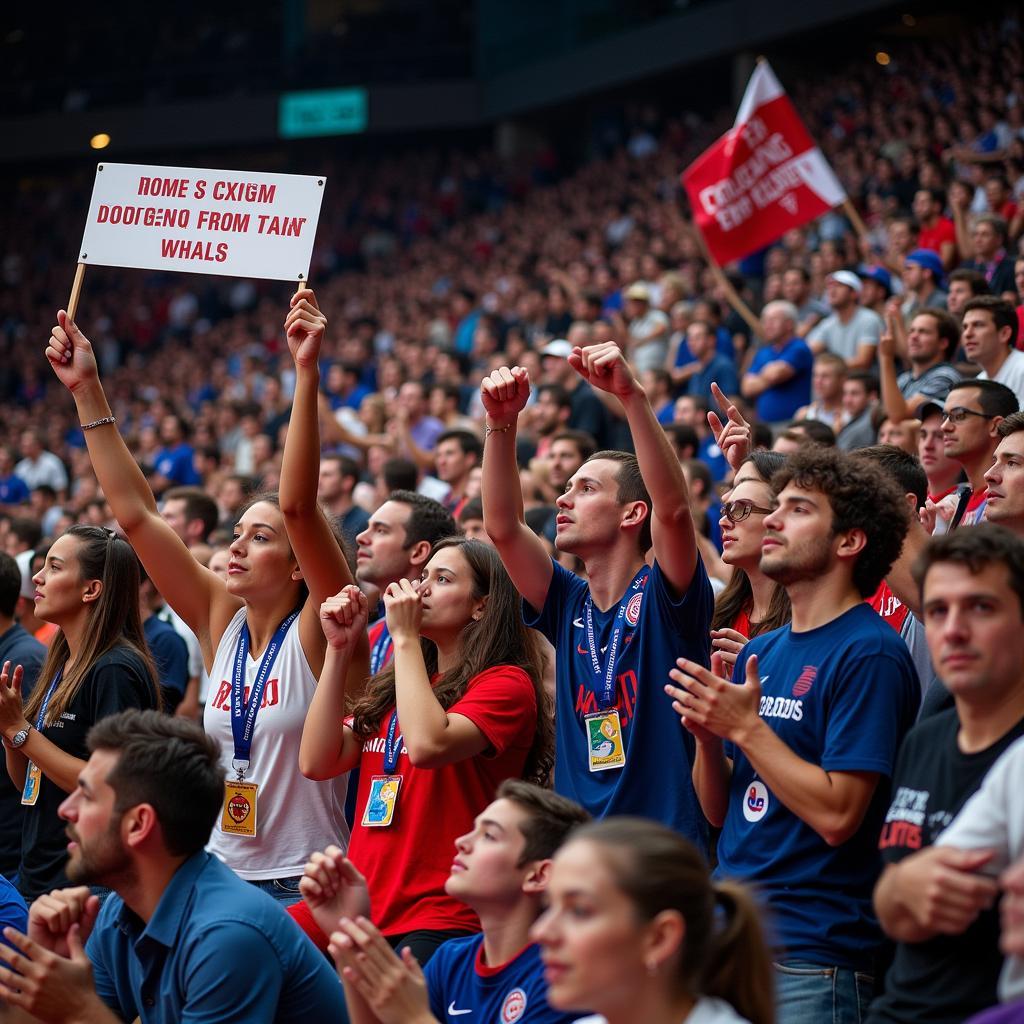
[[655, 780], [841, 696], [458, 982]]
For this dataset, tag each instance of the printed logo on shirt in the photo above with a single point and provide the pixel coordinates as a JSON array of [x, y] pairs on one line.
[[222, 699], [805, 680], [452, 1012], [781, 707], [755, 803], [633, 609], [514, 1006], [625, 698], [904, 820], [578, 623]]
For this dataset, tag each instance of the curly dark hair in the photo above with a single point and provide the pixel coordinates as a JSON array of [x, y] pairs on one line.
[[862, 496]]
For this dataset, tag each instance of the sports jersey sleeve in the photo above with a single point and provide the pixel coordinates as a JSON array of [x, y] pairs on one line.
[[991, 818], [435, 974], [873, 704], [502, 704], [564, 592]]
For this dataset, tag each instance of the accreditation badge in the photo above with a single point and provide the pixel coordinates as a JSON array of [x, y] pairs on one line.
[[380, 805], [33, 780], [239, 815], [604, 740]]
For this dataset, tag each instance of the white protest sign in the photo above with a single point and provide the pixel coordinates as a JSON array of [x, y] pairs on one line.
[[202, 221]]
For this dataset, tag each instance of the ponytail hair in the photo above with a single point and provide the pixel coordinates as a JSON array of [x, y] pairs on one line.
[[738, 965], [724, 952]]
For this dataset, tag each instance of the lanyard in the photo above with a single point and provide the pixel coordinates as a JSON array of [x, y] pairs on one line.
[[606, 698], [243, 715], [381, 651], [393, 744], [41, 717]]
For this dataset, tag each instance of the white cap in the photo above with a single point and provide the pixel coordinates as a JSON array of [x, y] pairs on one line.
[[559, 347], [849, 278]]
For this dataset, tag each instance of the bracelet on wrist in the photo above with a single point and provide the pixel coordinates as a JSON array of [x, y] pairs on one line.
[[99, 423], [496, 430]]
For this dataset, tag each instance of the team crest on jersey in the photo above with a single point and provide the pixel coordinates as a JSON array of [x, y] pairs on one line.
[[633, 609], [514, 1006], [805, 680], [755, 802]]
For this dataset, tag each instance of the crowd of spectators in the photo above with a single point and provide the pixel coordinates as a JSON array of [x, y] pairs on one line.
[[807, 513]]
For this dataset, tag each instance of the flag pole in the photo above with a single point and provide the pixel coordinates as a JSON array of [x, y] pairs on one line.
[[734, 297], [855, 218]]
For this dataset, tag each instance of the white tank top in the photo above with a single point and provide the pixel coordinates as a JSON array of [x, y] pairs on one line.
[[294, 815]]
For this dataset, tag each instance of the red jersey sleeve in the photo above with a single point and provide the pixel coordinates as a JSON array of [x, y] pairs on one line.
[[502, 704], [303, 917]]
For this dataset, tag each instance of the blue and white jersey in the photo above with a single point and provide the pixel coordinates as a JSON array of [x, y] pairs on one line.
[[655, 780], [841, 696], [464, 990]]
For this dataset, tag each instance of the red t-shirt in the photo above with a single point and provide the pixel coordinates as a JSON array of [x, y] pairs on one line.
[[934, 237], [742, 623], [889, 606], [407, 863], [1020, 327]]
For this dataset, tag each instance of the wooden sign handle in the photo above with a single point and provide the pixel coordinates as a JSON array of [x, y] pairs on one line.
[[76, 291]]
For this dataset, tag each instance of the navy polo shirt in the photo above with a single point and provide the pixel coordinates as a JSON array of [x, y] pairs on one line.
[[216, 949]]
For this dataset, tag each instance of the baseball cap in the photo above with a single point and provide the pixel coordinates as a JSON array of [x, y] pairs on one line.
[[927, 409], [930, 261], [639, 291], [878, 274], [559, 347], [847, 277]]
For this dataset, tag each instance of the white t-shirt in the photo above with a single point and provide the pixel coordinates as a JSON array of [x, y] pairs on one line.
[[294, 815], [1011, 373], [993, 819], [705, 1011]]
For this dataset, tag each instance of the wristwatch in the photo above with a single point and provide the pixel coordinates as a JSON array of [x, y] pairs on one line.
[[20, 737]]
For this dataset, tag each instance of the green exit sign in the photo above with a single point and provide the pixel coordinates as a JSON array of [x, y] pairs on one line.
[[323, 112]]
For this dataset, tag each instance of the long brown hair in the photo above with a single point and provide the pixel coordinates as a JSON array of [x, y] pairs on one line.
[[724, 953], [114, 620], [738, 595], [499, 637]]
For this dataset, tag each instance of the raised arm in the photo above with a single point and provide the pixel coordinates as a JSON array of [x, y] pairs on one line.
[[675, 540], [328, 746], [195, 593], [317, 550], [526, 560], [895, 405]]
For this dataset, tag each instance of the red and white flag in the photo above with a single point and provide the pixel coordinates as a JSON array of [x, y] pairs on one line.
[[763, 177]]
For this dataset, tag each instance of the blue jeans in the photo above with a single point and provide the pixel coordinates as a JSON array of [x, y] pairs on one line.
[[807, 993], [284, 890]]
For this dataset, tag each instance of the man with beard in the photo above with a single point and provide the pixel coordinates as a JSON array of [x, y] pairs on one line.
[[794, 755], [183, 938]]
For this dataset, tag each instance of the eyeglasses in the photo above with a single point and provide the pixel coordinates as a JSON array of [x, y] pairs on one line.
[[959, 414], [740, 509]]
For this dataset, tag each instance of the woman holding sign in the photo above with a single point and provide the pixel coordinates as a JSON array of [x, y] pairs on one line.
[[259, 629], [460, 709], [98, 664]]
